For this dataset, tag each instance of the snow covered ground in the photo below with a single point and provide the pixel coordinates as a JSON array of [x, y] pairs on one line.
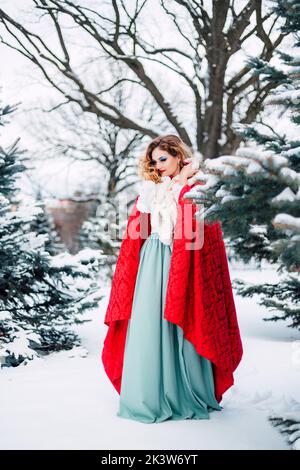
[[66, 401]]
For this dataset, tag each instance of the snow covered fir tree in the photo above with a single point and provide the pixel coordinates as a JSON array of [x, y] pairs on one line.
[[43, 224], [104, 231], [41, 296], [256, 194]]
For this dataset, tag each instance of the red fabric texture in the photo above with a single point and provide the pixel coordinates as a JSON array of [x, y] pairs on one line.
[[199, 297]]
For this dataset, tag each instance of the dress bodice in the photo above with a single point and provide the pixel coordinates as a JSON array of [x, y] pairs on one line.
[[161, 200]]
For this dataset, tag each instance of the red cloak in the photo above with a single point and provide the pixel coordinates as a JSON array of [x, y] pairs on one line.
[[199, 296]]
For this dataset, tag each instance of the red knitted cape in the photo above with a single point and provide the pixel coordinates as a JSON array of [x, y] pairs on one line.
[[199, 296]]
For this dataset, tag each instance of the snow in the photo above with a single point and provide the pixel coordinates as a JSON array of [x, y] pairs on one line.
[[229, 198], [292, 96], [290, 176], [264, 157], [287, 221], [258, 229], [286, 195], [295, 151], [20, 345], [66, 401], [253, 168]]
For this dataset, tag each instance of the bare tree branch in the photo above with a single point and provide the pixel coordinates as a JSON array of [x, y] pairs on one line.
[[204, 42]]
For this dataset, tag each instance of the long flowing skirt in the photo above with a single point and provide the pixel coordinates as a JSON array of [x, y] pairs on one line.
[[163, 376]]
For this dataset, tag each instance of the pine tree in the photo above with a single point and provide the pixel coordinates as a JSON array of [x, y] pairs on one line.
[[103, 231], [256, 196], [41, 295], [289, 425], [43, 224], [256, 192]]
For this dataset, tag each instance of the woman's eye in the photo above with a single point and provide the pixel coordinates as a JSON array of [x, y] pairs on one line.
[[161, 159]]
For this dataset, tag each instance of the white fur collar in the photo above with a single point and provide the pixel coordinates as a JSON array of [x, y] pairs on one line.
[[190, 180]]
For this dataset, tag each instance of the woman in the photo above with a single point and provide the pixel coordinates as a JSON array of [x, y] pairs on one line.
[[173, 340]]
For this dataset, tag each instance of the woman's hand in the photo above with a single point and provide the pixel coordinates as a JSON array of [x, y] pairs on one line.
[[187, 171]]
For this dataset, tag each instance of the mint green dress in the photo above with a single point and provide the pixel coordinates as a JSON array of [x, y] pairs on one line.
[[163, 376]]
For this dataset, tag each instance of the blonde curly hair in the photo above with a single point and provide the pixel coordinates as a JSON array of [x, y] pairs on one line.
[[170, 143]]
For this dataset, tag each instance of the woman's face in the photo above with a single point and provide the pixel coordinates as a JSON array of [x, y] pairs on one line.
[[166, 164]]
